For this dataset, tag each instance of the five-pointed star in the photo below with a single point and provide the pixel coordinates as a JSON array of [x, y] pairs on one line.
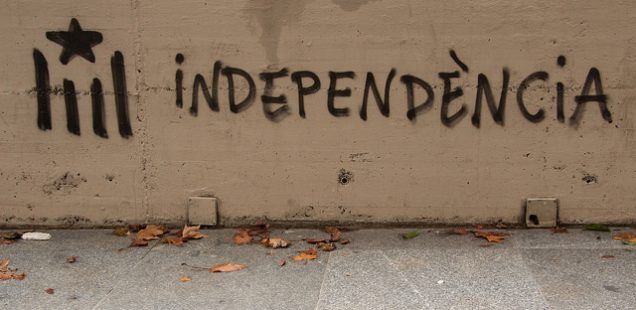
[[75, 41]]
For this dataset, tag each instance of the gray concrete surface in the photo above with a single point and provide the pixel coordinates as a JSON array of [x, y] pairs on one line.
[[532, 269]]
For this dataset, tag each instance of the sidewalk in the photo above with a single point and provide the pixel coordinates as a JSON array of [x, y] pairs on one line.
[[531, 269]]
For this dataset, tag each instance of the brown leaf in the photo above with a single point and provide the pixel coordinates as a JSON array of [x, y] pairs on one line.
[[138, 242], [4, 265], [71, 259], [7, 274], [241, 236], [228, 267], [327, 247], [344, 241], [501, 225], [259, 230], [14, 276], [151, 232], [458, 231], [607, 256], [136, 227], [315, 241], [559, 230], [50, 291], [173, 240], [626, 236], [192, 232], [185, 279], [282, 263], [310, 254], [334, 232], [275, 243], [491, 236], [4, 241]]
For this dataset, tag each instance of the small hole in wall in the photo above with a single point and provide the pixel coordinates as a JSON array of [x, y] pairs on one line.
[[534, 219], [345, 177]]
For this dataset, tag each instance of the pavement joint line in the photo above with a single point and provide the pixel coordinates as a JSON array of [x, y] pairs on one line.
[[406, 279], [141, 259], [532, 278], [322, 283]]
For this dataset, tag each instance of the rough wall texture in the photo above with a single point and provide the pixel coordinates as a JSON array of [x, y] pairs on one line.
[[134, 150]]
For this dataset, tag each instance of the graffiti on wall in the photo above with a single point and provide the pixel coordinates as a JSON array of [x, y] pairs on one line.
[[77, 42], [420, 94]]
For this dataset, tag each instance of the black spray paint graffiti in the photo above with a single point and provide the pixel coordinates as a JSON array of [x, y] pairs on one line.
[[450, 93], [76, 41]]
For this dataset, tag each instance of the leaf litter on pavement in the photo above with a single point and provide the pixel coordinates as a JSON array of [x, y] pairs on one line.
[[261, 234], [155, 232], [627, 238], [7, 273], [490, 236], [227, 267]]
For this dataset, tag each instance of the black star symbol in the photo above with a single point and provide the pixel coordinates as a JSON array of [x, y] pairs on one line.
[[75, 41]]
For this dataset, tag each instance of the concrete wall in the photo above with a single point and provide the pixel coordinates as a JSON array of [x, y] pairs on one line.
[[284, 167]]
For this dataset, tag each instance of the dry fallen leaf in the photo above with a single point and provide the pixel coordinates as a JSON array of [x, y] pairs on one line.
[[458, 231], [71, 259], [192, 232], [261, 230], [14, 276], [241, 236], [607, 256], [185, 279], [228, 267], [626, 236], [173, 240], [491, 236], [50, 291], [136, 227], [3, 241], [275, 243], [334, 232], [4, 265], [315, 241], [501, 225], [151, 232], [282, 263], [310, 254], [327, 247], [5, 273], [344, 241], [138, 242], [559, 230]]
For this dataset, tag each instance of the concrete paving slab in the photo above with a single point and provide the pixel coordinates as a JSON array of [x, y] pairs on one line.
[[386, 239], [367, 280], [77, 286], [575, 238], [532, 269], [585, 279], [470, 278], [264, 284]]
